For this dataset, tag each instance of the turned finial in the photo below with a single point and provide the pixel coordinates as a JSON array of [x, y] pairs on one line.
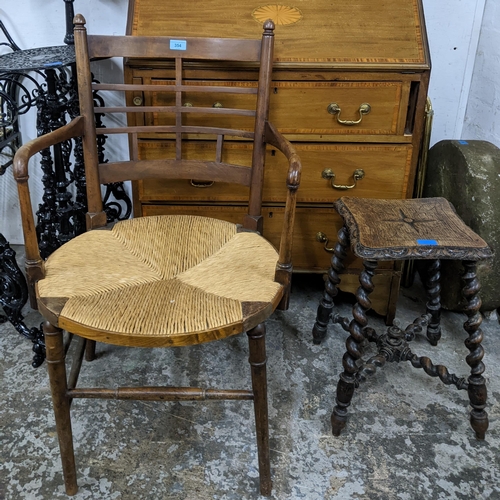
[[268, 27], [79, 22]]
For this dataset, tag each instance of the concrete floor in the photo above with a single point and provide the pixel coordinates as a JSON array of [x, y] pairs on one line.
[[408, 435]]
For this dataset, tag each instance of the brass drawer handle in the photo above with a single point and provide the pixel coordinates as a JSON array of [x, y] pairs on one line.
[[323, 238], [328, 173], [201, 184], [188, 105], [334, 109], [137, 100]]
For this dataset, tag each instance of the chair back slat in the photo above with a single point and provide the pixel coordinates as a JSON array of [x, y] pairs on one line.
[[218, 150], [171, 88], [151, 47], [134, 152], [174, 109], [174, 169], [178, 106], [170, 129], [161, 109]]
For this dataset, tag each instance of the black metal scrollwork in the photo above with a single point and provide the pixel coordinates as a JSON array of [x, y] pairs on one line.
[[15, 100], [43, 78], [13, 297]]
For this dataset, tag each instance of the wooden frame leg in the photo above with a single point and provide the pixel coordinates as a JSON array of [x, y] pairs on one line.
[[90, 350], [347, 380], [257, 360], [58, 385], [477, 385], [326, 304]]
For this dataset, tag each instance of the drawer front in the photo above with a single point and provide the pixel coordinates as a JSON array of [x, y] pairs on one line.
[[331, 108], [333, 170], [327, 170], [359, 108]]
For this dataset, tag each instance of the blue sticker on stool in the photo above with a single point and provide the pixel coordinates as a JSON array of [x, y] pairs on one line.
[[427, 242], [463, 143]]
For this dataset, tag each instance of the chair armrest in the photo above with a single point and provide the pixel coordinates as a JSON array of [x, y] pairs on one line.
[[73, 129], [278, 140], [284, 266], [34, 263]]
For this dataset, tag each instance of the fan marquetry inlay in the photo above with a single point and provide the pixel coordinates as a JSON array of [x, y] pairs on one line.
[[279, 14]]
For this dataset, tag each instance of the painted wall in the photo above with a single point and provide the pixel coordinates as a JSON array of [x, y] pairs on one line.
[[453, 29], [482, 119]]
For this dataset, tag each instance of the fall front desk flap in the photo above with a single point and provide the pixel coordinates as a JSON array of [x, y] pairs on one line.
[[334, 32]]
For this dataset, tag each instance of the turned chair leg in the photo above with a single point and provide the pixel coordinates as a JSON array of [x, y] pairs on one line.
[[347, 380], [90, 350], [58, 385], [477, 385], [433, 288], [257, 360], [326, 304]]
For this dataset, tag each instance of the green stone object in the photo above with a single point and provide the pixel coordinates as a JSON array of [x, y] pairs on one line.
[[467, 173]]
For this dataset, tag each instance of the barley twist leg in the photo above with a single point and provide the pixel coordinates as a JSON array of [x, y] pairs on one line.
[[330, 292], [433, 287], [477, 385], [347, 380]]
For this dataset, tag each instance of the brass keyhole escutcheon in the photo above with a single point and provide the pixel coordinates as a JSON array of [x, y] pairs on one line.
[[334, 109], [357, 175]]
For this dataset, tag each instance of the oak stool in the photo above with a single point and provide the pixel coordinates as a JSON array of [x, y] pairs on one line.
[[388, 230]]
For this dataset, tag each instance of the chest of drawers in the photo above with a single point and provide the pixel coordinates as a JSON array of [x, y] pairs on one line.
[[350, 86]]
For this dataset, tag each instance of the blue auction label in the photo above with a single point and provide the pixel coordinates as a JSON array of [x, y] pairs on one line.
[[427, 242], [178, 45]]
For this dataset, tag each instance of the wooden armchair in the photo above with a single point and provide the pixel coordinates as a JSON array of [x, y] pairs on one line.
[[171, 280]]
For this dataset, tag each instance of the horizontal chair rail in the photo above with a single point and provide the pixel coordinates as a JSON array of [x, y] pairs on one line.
[[177, 169], [160, 394], [184, 129], [174, 88], [175, 109]]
